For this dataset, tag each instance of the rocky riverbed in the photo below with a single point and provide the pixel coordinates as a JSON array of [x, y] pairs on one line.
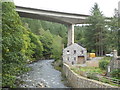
[[42, 75]]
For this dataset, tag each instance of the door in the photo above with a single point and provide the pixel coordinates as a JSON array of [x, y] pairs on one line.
[[81, 60]]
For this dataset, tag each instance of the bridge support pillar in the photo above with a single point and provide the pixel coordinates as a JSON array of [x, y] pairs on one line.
[[70, 34]]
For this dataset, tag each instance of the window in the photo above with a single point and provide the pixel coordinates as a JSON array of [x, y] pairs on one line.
[[74, 51], [72, 62], [68, 52], [82, 51], [74, 58], [68, 58]]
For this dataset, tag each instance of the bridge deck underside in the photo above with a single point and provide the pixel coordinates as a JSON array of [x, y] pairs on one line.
[[53, 16]]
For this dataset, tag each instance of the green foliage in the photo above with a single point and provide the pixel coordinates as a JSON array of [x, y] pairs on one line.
[[103, 79], [54, 28], [119, 36], [28, 46], [50, 35], [9, 40], [112, 34], [58, 65], [36, 46], [41, 39], [34, 25], [116, 73], [8, 80], [92, 76], [57, 47], [92, 70], [99, 36], [103, 64], [80, 35], [15, 44], [96, 31], [46, 38]]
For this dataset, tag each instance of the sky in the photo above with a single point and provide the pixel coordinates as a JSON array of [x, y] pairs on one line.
[[71, 6]]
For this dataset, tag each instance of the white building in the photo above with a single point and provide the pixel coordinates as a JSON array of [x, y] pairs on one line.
[[74, 54]]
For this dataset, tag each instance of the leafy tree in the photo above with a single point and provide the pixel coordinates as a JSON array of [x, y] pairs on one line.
[[80, 35], [54, 28], [38, 47], [47, 39], [33, 24], [13, 44], [57, 47]]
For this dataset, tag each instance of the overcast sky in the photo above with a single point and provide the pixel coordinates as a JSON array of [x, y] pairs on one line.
[[71, 6]]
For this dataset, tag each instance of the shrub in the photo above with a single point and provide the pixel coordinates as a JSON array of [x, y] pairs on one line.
[[92, 76], [15, 42], [116, 73], [103, 64], [105, 80]]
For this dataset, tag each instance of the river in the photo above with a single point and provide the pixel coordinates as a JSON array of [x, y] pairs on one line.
[[42, 74]]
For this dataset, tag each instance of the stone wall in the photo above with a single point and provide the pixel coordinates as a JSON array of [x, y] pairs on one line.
[[77, 81]]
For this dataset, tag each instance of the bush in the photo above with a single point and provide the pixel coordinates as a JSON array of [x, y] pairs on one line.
[[103, 64], [8, 81], [36, 46], [92, 76], [105, 80], [116, 73], [15, 43]]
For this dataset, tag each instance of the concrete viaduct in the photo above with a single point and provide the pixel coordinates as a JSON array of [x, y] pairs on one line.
[[68, 19]]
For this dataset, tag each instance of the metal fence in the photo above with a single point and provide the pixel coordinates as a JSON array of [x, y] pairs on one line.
[[113, 80]]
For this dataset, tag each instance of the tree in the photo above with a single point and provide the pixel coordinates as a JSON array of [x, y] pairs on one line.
[[54, 28], [80, 35], [38, 47], [113, 33], [57, 47], [47, 39], [34, 25], [51, 35], [119, 35], [14, 45], [96, 32]]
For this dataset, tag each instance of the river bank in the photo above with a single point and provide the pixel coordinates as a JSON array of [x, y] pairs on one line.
[[58, 65]]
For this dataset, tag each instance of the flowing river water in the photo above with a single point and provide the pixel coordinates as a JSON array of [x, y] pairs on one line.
[[42, 74]]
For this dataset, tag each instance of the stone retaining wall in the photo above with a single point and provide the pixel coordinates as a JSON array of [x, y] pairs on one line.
[[77, 81]]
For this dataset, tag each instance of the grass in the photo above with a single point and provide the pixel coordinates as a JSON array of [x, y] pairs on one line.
[[96, 70], [92, 71], [58, 65], [106, 58], [88, 70]]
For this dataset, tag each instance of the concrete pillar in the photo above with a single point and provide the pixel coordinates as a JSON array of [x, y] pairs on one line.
[[70, 34], [115, 54]]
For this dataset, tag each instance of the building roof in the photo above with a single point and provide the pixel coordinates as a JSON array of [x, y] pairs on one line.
[[75, 44]]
